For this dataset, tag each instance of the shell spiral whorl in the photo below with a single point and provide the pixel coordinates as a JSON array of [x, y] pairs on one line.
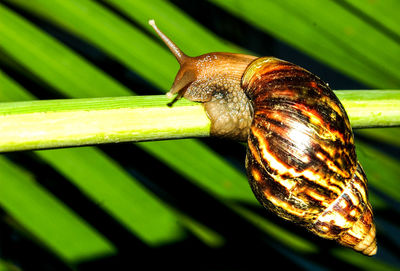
[[301, 158]]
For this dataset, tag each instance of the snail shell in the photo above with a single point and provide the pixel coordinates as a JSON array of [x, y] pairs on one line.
[[301, 159]]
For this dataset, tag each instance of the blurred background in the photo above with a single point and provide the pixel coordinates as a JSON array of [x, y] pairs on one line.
[[182, 204]]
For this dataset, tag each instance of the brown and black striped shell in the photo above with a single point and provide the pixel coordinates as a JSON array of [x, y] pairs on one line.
[[301, 158]]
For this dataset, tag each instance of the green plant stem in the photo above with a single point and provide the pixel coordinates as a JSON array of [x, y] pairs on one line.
[[371, 108], [75, 122]]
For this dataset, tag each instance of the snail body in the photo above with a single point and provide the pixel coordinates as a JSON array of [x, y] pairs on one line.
[[300, 160]]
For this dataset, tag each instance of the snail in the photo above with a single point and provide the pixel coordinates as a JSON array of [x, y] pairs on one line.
[[301, 161]]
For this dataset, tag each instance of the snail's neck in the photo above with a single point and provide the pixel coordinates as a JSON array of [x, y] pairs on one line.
[[216, 82], [227, 105]]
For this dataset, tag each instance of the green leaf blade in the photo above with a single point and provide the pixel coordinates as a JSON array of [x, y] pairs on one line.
[[52, 61], [42, 214], [117, 192]]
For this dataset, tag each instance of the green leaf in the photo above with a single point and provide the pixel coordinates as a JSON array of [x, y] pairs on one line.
[[65, 233], [293, 241], [383, 135], [52, 61], [212, 172], [381, 14], [373, 162], [162, 12], [8, 266], [339, 40], [11, 91], [107, 184], [119, 39], [360, 261]]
